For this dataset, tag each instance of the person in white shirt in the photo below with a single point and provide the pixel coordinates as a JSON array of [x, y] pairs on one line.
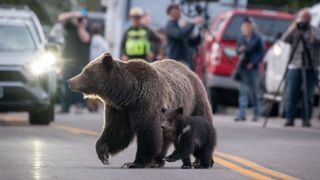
[[98, 45]]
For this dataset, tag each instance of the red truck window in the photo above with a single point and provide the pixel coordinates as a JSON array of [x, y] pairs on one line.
[[269, 27]]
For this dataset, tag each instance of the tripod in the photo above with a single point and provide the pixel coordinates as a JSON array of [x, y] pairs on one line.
[[306, 60]]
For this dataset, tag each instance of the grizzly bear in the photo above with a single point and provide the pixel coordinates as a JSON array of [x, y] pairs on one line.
[[133, 92], [191, 135]]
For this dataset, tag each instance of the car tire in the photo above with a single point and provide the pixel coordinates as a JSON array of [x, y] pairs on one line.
[[40, 116], [214, 102], [51, 111]]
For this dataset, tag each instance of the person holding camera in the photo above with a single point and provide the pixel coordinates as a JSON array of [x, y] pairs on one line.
[[75, 53], [302, 60], [251, 49], [178, 36]]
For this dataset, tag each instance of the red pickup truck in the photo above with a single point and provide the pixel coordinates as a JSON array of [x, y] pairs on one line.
[[218, 58]]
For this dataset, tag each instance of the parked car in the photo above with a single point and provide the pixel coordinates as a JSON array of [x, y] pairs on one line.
[[27, 71], [220, 57], [315, 11]]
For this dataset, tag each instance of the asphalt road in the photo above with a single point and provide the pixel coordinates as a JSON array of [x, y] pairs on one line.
[[65, 150]]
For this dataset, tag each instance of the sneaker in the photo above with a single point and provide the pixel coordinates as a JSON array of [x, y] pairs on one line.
[[306, 124], [255, 118], [289, 124], [239, 119]]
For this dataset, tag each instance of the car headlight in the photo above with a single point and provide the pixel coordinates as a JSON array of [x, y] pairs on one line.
[[43, 64], [277, 50]]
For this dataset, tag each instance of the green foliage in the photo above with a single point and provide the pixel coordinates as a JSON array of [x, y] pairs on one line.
[[288, 5], [46, 10]]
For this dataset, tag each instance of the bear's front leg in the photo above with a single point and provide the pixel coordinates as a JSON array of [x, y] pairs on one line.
[[173, 157], [149, 141], [102, 151], [116, 134]]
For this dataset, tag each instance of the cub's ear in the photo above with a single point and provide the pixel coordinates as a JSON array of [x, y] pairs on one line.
[[179, 110], [107, 60]]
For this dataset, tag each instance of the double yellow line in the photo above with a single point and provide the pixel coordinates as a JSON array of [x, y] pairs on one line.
[[250, 169], [235, 163]]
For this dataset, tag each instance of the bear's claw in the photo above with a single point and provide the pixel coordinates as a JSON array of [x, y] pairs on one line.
[[185, 166], [133, 165]]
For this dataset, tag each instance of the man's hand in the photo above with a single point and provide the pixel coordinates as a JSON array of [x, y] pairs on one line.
[[198, 20], [150, 56], [241, 49], [124, 58], [249, 66]]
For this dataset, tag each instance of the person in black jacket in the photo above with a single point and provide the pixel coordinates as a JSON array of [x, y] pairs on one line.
[[75, 54], [177, 47]]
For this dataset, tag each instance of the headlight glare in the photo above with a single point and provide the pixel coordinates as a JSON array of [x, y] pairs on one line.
[[45, 62]]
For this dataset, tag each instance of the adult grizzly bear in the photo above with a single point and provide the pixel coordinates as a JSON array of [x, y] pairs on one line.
[[134, 93]]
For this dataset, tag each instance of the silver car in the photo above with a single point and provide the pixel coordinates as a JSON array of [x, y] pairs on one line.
[[27, 70]]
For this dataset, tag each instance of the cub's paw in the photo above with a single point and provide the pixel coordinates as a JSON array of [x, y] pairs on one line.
[[186, 166], [169, 159], [201, 166], [196, 163], [133, 165], [103, 153], [157, 164]]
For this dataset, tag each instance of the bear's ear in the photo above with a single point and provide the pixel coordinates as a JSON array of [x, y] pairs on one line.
[[107, 60], [163, 110], [179, 110]]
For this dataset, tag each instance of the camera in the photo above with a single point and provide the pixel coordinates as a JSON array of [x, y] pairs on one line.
[[303, 26]]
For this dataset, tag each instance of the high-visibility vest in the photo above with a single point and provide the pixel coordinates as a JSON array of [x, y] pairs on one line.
[[137, 43]]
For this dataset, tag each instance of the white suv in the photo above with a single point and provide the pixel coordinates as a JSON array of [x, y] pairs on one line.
[[27, 70]]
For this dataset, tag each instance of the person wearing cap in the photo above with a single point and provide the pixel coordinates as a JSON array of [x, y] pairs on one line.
[[178, 37], [75, 53], [136, 42], [301, 27], [251, 49]]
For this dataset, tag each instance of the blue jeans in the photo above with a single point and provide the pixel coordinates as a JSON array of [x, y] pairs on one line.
[[249, 85], [293, 93]]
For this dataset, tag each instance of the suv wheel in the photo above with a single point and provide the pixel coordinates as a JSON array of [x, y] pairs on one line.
[[40, 116]]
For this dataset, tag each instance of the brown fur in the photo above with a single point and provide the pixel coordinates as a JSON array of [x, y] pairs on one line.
[[133, 93]]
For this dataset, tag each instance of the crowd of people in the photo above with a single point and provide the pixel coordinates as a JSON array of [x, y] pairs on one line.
[[178, 41], [139, 41]]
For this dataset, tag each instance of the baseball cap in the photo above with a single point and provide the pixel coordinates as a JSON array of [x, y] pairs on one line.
[[136, 11]]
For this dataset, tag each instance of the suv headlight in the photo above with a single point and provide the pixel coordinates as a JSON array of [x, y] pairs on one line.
[[43, 64]]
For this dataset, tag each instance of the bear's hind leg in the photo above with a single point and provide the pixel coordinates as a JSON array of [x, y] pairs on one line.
[[149, 144], [159, 162], [186, 163], [204, 155]]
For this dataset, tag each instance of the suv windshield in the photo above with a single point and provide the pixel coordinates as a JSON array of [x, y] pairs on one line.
[[269, 28], [15, 38]]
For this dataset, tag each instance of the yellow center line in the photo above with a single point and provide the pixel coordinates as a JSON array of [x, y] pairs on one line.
[[218, 158], [255, 166], [240, 170], [74, 130]]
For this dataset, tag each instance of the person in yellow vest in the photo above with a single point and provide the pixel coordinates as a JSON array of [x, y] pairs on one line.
[[137, 40]]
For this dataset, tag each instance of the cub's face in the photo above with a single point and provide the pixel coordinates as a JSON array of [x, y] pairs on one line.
[[94, 78], [170, 119]]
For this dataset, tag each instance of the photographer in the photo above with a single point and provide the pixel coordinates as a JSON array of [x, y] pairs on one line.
[[178, 36], [250, 47], [75, 53], [301, 28]]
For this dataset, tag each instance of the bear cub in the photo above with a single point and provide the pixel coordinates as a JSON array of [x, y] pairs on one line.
[[191, 135]]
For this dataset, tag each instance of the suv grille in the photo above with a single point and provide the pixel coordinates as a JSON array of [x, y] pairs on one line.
[[11, 76]]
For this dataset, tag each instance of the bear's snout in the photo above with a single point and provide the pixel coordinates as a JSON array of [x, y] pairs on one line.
[[72, 85]]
